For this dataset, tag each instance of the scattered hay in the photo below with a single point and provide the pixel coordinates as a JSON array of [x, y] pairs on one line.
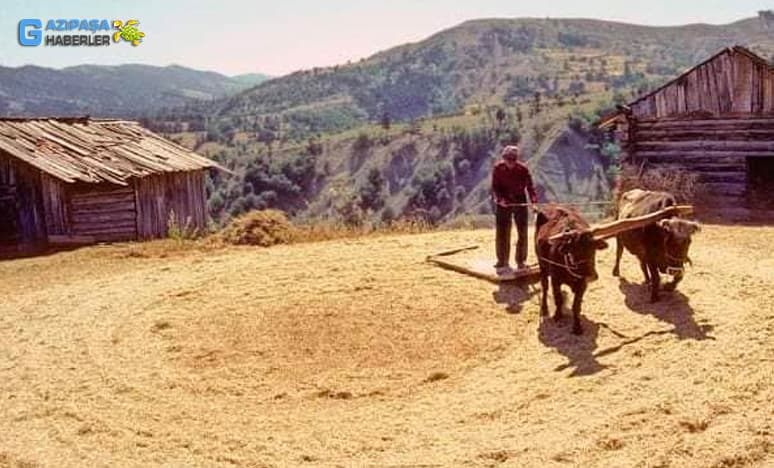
[[263, 228], [334, 395], [436, 376], [259, 338], [750, 455], [499, 456], [695, 425], [610, 443], [160, 325], [158, 248], [7, 461]]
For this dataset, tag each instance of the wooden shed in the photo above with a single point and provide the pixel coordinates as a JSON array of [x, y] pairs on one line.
[[87, 180], [716, 119]]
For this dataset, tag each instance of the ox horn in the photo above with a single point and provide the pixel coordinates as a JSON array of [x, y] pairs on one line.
[[566, 233], [612, 229]]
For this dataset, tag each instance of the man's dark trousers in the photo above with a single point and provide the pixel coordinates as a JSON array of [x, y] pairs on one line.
[[503, 216]]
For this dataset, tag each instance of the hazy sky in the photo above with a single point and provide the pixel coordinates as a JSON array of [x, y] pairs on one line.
[[280, 36]]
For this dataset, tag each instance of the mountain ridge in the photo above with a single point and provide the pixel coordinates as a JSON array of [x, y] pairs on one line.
[[433, 65], [125, 90]]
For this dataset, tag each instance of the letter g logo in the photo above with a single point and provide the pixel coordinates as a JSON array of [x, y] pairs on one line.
[[29, 32]]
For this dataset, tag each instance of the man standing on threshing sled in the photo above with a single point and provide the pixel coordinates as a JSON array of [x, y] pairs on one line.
[[511, 183]]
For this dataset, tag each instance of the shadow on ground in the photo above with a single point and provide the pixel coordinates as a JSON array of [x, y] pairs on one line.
[[673, 308], [514, 295], [578, 349]]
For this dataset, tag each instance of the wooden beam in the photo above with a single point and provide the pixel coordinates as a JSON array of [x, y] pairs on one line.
[[454, 251], [704, 154], [530, 272], [612, 229], [706, 144]]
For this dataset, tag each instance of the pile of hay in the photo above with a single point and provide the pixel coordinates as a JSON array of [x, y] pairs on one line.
[[263, 228], [681, 183]]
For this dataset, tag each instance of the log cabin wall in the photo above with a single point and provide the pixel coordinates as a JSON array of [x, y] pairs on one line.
[[716, 148], [713, 120], [158, 195], [34, 206], [55, 206], [104, 212]]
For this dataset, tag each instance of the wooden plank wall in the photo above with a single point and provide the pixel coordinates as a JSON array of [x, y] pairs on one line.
[[158, 195], [733, 82], [105, 212], [716, 148], [55, 205]]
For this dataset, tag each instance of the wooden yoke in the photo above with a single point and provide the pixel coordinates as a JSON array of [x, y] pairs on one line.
[[612, 229]]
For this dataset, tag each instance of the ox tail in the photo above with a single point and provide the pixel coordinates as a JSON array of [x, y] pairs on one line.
[[540, 219]]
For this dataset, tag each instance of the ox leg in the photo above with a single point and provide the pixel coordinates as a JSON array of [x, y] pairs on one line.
[[672, 285], [655, 282], [577, 300], [618, 252], [644, 267], [556, 286], [544, 291]]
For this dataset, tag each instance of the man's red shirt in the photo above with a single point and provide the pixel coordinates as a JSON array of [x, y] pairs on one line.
[[509, 184]]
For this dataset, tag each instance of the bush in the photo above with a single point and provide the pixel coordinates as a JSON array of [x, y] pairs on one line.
[[180, 233], [263, 228]]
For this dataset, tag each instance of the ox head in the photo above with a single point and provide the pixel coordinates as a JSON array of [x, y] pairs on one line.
[[676, 234], [576, 249]]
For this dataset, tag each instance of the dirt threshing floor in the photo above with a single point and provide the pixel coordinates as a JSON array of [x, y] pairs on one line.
[[357, 353]]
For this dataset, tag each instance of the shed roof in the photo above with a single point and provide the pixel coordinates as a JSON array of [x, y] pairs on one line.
[[94, 150], [737, 48], [608, 119]]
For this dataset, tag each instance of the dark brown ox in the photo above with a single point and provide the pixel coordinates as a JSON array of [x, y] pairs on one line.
[[661, 247], [566, 251]]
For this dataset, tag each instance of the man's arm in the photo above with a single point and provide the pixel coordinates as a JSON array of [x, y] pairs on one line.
[[497, 186]]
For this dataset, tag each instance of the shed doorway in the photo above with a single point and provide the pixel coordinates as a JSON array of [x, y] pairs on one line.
[[760, 182], [9, 230]]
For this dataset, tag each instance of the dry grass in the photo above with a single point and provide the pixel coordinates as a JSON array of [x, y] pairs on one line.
[[322, 231], [271, 227], [355, 352]]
